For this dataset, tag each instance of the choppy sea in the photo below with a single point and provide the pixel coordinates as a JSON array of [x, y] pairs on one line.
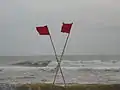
[[83, 69]]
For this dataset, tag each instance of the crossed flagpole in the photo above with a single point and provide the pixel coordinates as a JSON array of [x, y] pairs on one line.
[[43, 30], [58, 66]]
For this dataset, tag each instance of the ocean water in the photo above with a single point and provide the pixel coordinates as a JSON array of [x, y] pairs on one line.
[[83, 69]]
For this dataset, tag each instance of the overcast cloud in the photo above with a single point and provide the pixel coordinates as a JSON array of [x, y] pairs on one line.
[[96, 27]]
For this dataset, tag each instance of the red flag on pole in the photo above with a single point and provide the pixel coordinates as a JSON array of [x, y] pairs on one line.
[[66, 28], [43, 30]]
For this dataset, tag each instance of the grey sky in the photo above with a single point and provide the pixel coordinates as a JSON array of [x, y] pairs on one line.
[[96, 27]]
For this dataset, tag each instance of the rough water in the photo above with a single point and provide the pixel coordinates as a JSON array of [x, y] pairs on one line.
[[83, 69]]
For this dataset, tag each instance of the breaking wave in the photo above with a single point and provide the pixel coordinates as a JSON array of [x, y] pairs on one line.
[[68, 64], [32, 64]]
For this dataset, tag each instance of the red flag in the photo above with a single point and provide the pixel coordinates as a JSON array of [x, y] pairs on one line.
[[66, 28], [43, 30]]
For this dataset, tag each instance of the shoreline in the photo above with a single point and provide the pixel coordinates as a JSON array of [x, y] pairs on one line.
[[60, 86]]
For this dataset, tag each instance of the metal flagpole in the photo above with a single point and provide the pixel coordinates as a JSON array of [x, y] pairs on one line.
[[57, 59], [58, 66]]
